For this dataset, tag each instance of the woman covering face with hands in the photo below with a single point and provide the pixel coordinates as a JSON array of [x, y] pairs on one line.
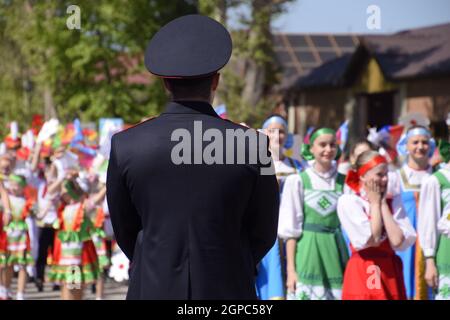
[[376, 227]]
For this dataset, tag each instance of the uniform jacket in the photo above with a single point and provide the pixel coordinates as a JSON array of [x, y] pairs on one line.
[[191, 231]]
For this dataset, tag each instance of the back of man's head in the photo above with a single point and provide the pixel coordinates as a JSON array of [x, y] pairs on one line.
[[190, 89]]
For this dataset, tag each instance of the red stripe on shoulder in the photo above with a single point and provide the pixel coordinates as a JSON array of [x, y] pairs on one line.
[[243, 124], [130, 126]]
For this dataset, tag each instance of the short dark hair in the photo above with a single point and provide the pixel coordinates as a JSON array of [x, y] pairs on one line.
[[187, 88], [360, 142]]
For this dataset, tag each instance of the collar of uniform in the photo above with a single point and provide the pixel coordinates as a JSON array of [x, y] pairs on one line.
[[195, 107]]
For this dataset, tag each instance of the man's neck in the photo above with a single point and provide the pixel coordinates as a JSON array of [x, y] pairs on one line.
[[192, 99]]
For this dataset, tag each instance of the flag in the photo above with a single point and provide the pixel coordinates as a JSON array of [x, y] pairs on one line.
[[389, 138], [90, 134], [308, 135], [221, 111], [107, 128], [78, 132], [68, 134], [342, 135], [37, 123]]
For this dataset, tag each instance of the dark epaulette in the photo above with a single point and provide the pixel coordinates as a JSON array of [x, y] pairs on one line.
[[137, 124], [236, 123], [228, 120]]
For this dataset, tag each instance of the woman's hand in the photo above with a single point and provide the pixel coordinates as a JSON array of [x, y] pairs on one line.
[[374, 193], [291, 281], [431, 273]]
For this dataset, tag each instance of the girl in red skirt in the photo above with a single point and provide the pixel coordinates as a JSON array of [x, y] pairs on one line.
[[4, 212], [376, 226], [75, 262], [17, 247]]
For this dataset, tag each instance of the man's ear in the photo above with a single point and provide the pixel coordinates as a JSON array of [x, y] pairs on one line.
[[215, 81], [166, 84]]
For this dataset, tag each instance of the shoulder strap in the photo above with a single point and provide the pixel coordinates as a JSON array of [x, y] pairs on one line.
[[137, 124], [403, 176], [405, 182], [340, 181], [436, 167], [441, 178], [79, 217], [306, 181]]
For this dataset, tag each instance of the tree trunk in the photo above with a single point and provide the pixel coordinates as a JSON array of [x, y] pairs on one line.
[[49, 106], [254, 83], [255, 76]]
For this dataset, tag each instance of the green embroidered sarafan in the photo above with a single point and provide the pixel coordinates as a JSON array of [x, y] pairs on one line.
[[324, 203], [24, 259], [98, 237], [320, 257], [74, 266], [18, 249]]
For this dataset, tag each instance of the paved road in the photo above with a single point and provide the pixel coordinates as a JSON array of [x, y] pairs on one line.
[[113, 291]]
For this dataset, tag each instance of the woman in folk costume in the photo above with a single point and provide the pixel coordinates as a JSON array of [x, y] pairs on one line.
[[418, 147], [270, 277], [315, 249], [356, 148], [376, 227], [94, 208], [276, 128], [434, 226], [18, 251], [75, 260]]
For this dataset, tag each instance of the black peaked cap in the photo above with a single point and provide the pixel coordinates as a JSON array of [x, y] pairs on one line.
[[191, 46]]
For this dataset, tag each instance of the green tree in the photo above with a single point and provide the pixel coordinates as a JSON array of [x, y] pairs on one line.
[[80, 73], [247, 93]]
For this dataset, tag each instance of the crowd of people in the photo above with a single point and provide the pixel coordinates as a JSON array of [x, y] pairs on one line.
[[375, 226], [54, 222]]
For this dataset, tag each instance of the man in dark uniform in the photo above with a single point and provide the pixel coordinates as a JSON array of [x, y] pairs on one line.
[[192, 228]]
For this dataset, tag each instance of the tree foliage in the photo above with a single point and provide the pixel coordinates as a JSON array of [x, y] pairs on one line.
[[98, 70], [248, 79], [88, 73]]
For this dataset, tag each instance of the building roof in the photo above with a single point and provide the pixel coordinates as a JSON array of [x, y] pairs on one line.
[[423, 52], [413, 53], [298, 53]]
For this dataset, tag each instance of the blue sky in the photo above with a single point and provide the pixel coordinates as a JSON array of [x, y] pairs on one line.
[[344, 16]]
